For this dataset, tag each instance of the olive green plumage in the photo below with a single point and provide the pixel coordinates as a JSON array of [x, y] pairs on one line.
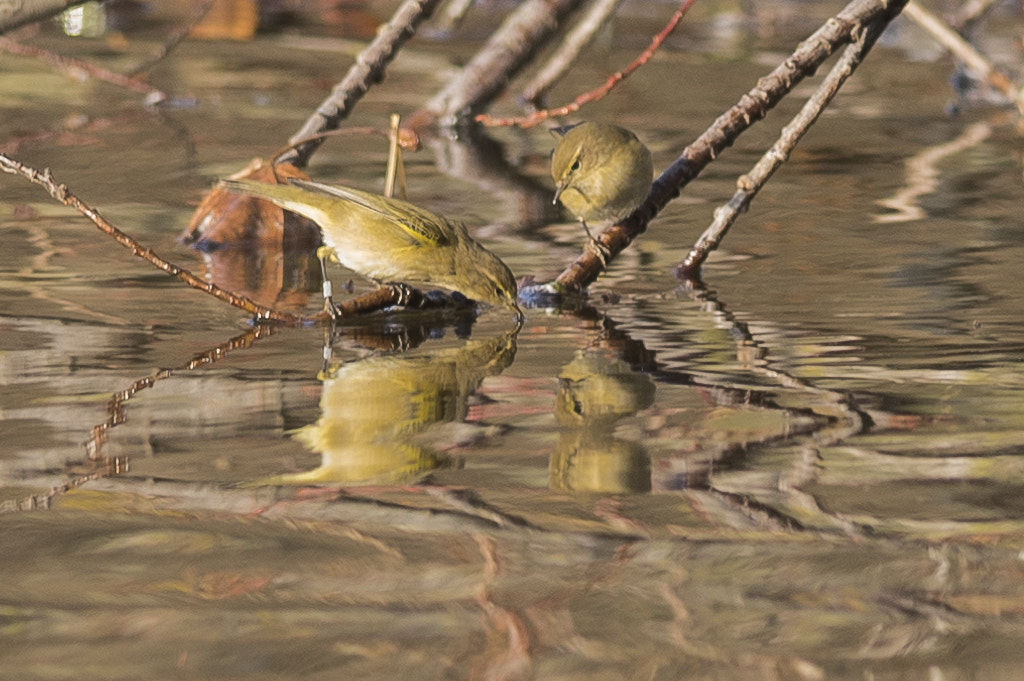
[[390, 240], [602, 172]]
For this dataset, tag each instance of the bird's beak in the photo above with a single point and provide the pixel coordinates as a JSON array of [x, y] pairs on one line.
[[517, 313], [519, 318], [558, 192]]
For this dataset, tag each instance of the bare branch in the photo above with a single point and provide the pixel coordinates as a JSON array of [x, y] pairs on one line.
[[369, 69], [753, 106], [485, 76], [62, 194], [751, 183], [597, 93]]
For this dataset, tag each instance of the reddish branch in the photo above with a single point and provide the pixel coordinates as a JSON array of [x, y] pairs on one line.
[[508, 49], [598, 93]]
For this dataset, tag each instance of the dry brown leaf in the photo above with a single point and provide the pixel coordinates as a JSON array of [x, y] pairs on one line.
[[224, 218]]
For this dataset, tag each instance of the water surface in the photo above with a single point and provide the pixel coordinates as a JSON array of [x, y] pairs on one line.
[[810, 467]]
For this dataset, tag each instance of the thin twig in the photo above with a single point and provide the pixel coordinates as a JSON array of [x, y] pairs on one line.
[[173, 40], [580, 36], [61, 193], [405, 138], [753, 106], [946, 36], [600, 92], [368, 69], [751, 183], [76, 68]]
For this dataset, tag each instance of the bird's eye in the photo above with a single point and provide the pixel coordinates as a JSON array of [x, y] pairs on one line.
[[575, 165]]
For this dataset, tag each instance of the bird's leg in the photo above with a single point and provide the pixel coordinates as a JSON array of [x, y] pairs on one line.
[[402, 292], [586, 229], [596, 247], [330, 308], [328, 351]]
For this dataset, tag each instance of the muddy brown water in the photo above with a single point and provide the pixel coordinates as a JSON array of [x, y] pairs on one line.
[[811, 468]]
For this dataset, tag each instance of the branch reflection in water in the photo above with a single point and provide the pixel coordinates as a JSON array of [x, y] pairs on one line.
[[379, 415]]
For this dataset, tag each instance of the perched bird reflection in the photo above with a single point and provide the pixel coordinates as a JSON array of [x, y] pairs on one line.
[[594, 393], [376, 412], [602, 172]]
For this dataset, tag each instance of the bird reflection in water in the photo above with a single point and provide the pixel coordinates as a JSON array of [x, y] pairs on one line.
[[594, 393], [376, 413]]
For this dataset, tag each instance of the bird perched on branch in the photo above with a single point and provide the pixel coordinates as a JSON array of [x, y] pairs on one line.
[[390, 240], [602, 172]]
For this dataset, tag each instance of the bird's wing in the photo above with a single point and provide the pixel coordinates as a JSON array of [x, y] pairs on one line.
[[422, 226]]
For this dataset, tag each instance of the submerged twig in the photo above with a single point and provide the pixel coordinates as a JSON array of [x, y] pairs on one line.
[[922, 174], [116, 404], [76, 68], [753, 106], [751, 183], [597, 93]]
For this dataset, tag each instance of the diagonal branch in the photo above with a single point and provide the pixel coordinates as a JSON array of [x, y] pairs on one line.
[[751, 183], [62, 194], [753, 106], [369, 69]]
